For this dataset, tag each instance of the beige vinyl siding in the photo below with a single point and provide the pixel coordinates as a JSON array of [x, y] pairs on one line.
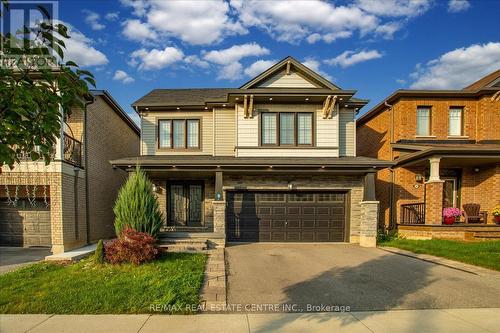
[[293, 80], [149, 125], [347, 133], [292, 152], [248, 129], [326, 132], [224, 132]]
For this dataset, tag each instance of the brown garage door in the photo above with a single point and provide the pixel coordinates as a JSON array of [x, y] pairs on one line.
[[24, 225], [286, 216]]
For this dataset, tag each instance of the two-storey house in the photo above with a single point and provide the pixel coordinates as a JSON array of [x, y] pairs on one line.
[[446, 148], [271, 161], [69, 203]]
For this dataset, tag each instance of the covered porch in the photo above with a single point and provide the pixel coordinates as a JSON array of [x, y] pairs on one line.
[[251, 199], [463, 176]]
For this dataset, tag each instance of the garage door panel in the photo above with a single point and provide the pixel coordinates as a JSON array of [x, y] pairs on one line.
[[278, 236], [308, 211], [279, 210], [25, 225], [291, 217]]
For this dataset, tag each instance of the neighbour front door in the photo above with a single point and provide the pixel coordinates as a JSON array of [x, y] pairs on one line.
[[450, 192], [185, 204]]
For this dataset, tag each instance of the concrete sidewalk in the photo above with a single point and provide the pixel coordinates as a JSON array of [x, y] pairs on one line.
[[401, 321]]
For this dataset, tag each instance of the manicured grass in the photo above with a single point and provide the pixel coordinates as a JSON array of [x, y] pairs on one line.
[[174, 279], [484, 254]]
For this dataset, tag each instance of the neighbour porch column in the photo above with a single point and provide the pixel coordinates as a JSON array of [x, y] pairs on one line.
[[219, 205], [370, 212], [434, 194]]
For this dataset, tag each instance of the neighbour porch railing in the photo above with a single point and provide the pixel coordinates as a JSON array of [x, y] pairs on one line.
[[72, 150], [413, 213]]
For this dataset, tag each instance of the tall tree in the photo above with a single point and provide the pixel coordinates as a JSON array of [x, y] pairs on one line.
[[37, 89]]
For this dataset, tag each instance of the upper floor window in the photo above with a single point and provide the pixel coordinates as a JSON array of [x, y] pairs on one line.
[[179, 133], [287, 128], [423, 121], [455, 119]]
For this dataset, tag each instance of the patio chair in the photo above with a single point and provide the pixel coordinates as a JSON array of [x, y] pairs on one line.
[[473, 214]]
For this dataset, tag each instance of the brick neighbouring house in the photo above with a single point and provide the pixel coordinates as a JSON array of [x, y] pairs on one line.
[[274, 160], [69, 202], [451, 158]]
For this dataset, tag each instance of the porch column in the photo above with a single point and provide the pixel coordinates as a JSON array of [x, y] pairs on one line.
[[368, 224], [369, 187], [219, 205], [434, 194]]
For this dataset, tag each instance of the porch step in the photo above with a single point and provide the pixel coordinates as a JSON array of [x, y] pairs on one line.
[[189, 235], [184, 244], [486, 235]]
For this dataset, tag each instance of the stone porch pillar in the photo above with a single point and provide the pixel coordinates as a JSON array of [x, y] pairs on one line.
[[369, 215], [369, 223], [434, 194], [219, 205], [219, 208]]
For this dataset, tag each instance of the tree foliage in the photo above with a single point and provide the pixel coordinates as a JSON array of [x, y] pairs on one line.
[[136, 206], [37, 86]]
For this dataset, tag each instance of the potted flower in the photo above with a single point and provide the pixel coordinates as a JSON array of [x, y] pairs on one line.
[[450, 214], [496, 214]]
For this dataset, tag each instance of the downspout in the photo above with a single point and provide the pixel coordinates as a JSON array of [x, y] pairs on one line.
[[391, 170], [86, 169]]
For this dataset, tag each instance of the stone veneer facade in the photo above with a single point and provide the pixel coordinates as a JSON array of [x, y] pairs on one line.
[[362, 216]]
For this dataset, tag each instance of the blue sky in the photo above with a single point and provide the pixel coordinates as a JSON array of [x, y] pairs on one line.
[[373, 46]]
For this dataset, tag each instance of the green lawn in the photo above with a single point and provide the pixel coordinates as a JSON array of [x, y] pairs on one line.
[[174, 279], [484, 254]]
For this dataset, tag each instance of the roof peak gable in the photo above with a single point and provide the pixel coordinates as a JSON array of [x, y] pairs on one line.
[[290, 65]]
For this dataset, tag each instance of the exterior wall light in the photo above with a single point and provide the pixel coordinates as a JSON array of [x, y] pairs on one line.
[[418, 177]]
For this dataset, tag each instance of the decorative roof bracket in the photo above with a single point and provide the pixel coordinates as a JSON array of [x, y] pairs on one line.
[[328, 106]]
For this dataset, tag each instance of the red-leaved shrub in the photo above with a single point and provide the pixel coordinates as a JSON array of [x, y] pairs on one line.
[[132, 246]]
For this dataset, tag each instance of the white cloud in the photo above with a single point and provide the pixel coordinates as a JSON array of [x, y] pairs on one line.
[[123, 77], [111, 16], [196, 61], [458, 68], [315, 66], [455, 6], [315, 20], [156, 59], [229, 59], [92, 19], [80, 50], [395, 8], [196, 22], [235, 53], [350, 58], [329, 37], [258, 67], [138, 31], [230, 72], [139, 6]]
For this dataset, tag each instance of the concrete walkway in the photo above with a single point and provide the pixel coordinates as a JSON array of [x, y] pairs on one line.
[[400, 321]]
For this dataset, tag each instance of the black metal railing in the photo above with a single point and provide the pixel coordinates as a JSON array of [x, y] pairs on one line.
[[413, 213], [72, 150]]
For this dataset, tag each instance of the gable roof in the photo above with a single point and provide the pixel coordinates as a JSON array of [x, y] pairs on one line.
[[299, 67], [490, 80], [182, 97]]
